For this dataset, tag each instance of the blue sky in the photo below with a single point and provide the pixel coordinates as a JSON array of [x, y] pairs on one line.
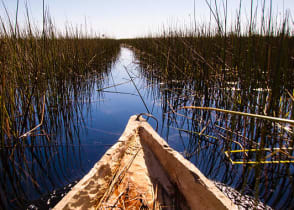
[[128, 18]]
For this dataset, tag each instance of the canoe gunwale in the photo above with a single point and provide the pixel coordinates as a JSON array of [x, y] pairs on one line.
[[199, 192], [179, 168], [84, 194]]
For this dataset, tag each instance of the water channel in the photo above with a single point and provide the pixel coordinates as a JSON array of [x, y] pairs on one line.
[[101, 119]]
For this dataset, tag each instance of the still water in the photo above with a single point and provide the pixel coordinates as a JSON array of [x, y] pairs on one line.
[[100, 118], [97, 121]]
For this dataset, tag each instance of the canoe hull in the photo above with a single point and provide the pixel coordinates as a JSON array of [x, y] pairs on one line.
[[180, 183]]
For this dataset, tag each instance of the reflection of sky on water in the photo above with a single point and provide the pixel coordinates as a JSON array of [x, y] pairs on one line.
[[108, 116]]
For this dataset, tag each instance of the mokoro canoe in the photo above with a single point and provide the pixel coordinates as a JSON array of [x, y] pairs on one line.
[[141, 171]]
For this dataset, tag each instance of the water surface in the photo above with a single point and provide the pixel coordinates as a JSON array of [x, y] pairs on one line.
[[99, 118]]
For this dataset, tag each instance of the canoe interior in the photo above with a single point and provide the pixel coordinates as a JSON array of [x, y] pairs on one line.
[[139, 181], [142, 172]]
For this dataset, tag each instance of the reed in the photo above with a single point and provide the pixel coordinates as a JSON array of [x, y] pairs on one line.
[[46, 79], [245, 70]]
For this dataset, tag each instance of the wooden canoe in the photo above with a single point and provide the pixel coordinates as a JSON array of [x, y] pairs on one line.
[[141, 171]]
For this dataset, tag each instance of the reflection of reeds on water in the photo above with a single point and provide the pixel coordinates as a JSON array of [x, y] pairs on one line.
[[246, 72], [211, 134], [45, 80]]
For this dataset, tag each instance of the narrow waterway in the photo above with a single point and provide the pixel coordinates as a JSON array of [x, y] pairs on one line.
[[100, 119]]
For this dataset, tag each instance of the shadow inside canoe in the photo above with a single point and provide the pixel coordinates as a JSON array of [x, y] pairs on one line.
[[167, 195]]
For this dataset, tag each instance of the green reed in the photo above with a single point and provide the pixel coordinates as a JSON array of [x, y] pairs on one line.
[[33, 63], [248, 69], [211, 134], [46, 78]]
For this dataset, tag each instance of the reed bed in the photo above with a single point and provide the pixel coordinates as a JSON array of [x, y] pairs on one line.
[[196, 73], [46, 80], [212, 135]]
